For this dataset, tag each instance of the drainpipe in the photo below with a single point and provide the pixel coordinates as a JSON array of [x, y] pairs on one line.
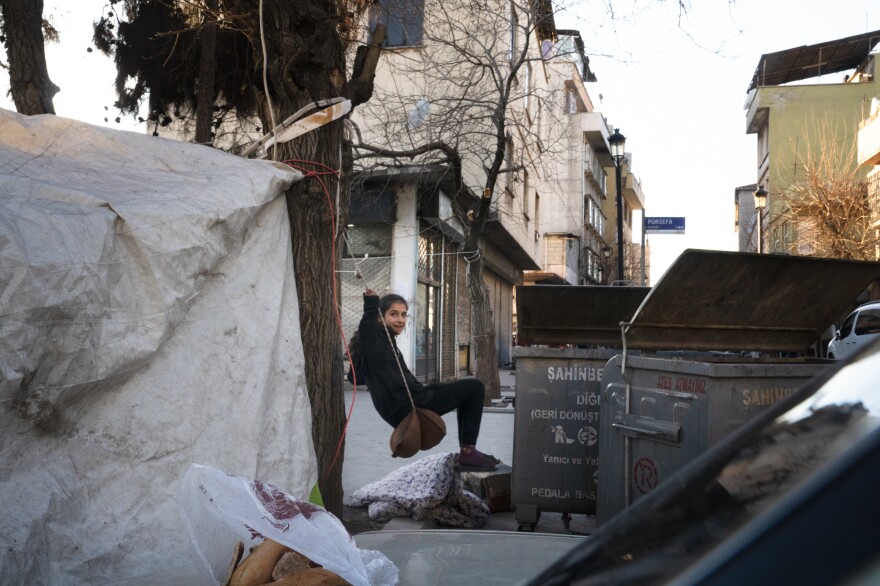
[[442, 308]]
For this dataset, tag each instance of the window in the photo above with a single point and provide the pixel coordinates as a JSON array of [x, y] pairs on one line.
[[404, 20], [868, 322], [570, 102], [430, 247], [527, 87], [373, 239], [763, 144], [539, 107], [846, 328]]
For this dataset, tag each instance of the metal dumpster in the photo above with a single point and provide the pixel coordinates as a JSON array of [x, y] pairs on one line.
[[709, 319], [556, 421]]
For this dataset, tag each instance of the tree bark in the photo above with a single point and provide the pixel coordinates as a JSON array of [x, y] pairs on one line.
[[29, 82], [483, 324], [482, 316], [207, 74], [306, 63]]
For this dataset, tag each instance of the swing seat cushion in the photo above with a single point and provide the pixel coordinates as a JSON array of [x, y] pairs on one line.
[[421, 429]]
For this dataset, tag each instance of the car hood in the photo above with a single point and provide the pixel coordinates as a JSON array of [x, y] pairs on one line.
[[454, 557]]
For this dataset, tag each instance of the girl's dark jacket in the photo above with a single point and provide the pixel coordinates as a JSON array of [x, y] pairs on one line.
[[376, 363]]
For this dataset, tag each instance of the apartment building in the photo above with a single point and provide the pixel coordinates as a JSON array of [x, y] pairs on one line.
[[578, 226], [438, 82], [802, 108], [448, 70], [572, 227]]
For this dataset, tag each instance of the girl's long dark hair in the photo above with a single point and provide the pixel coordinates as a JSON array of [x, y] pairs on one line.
[[385, 304]]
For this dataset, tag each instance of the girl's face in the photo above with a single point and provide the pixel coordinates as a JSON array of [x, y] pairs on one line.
[[395, 317]]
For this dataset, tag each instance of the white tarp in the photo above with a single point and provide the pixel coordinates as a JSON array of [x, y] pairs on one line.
[[148, 320]]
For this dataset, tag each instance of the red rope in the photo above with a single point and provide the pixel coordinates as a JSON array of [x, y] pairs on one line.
[[295, 163]]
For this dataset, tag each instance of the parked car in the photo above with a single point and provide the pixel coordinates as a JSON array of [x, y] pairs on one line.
[[859, 329], [788, 498]]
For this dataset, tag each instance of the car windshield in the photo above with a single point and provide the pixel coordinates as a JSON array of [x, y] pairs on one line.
[[661, 535]]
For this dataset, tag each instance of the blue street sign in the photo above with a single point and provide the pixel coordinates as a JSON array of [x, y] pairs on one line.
[[664, 225]]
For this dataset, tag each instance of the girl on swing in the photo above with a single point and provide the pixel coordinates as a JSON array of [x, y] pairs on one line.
[[378, 363]]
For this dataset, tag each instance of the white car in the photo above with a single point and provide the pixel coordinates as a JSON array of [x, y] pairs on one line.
[[858, 330]]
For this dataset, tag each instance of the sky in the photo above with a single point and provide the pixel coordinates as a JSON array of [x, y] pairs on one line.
[[86, 79], [676, 88], [675, 84]]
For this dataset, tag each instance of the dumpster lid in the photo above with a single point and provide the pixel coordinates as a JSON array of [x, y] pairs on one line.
[[713, 300], [588, 315]]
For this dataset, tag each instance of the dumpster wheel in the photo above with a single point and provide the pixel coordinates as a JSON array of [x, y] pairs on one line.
[[566, 522], [526, 527]]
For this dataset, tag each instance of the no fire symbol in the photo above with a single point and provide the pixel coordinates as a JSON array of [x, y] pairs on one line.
[[645, 475]]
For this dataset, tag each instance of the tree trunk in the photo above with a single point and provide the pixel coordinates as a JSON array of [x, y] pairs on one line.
[[306, 63], [482, 316], [29, 82], [483, 332], [207, 74], [313, 238]]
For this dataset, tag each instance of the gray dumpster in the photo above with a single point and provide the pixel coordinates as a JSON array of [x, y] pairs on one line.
[[556, 421], [708, 321]]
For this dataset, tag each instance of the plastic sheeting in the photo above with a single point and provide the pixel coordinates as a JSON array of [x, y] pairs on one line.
[[148, 320]]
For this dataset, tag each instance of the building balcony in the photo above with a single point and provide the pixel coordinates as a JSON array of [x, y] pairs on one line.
[[869, 137], [632, 191], [596, 132]]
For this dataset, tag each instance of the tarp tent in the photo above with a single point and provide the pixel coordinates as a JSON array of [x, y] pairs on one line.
[[148, 320]]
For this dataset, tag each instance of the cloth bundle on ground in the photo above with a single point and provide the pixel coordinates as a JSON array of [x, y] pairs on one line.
[[429, 488]]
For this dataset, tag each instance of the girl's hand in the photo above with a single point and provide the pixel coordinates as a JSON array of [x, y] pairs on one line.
[[370, 293]]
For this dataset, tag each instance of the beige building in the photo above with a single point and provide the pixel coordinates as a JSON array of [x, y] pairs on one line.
[[578, 226], [442, 80], [439, 82], [794, 120]]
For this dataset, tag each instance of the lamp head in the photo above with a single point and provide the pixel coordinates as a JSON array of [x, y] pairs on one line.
[[760, 198], [618, 144], [606, 251]]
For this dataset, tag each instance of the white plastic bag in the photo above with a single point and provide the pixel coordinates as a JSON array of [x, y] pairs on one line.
[[219, 509]]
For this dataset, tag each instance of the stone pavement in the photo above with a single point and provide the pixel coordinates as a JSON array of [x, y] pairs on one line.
[[368, 456]]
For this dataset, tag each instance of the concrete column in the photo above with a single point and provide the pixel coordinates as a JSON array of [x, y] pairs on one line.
[[404, 267]]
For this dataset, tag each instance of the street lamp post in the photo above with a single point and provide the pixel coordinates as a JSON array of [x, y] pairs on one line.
[[760, 204], [618, 142]]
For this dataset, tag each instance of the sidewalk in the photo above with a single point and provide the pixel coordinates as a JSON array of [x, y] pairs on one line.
[[368, 456]]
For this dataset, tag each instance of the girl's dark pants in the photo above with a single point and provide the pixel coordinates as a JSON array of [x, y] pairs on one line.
[[466, 395]]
